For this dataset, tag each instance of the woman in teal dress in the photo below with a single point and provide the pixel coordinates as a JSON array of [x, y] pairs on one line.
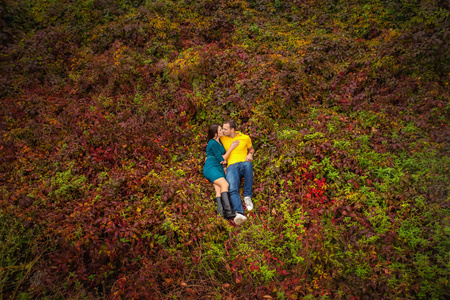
[[214, 172]]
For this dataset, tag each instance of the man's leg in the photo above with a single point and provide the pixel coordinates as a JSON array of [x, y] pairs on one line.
[[246, 171], [234, 182]]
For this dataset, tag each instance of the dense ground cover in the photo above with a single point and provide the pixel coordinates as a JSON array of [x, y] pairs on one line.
[[105, 106]]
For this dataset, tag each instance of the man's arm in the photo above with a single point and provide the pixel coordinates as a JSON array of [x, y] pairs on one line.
[[251, 152]]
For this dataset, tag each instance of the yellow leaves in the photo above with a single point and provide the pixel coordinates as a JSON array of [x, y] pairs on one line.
[[163, 25], [157, 23], [118, 54], [167, 212], [302, 44], [53, 121], [186, 62], [238, 4], [315, 283], [168, 281], [194, 18], [392, 34]]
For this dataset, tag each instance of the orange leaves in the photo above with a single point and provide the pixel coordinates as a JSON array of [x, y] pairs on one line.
[[110, 227]]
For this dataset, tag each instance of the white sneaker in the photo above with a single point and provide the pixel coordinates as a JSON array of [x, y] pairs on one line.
[[239, 219], [248, 203]]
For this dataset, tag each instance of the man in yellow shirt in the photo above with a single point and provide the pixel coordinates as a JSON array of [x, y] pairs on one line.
[[239, 166]]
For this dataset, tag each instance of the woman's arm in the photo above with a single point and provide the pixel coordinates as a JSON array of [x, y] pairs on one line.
[[233, 145], [217, 152]]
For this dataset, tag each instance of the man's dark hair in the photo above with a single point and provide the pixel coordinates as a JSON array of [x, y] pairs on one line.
[[212, 131], [232, 124]]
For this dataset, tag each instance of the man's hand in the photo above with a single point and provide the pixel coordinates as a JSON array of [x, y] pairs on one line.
[[249, 157]]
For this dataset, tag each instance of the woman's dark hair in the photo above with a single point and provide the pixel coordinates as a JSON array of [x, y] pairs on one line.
[[212, 131]]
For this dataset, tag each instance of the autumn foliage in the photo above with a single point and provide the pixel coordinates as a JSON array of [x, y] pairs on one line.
[[105, 107]]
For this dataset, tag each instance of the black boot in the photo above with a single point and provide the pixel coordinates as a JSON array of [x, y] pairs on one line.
[[227, 210], [219, 206]]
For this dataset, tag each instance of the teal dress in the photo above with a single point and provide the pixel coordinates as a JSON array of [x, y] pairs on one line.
[[212, 169]]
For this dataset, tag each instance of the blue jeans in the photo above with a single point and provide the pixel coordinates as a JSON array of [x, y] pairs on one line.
[[235, 172]]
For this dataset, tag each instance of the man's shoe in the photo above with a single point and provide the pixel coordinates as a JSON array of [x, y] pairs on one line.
[[248, 203], [239, 219]]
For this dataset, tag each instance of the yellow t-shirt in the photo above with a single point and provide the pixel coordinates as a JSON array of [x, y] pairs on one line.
[[240, 152]]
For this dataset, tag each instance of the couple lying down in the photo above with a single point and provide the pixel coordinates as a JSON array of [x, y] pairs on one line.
[[229, 159]]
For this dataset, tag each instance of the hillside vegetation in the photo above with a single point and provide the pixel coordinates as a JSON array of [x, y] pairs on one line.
[[105, 109]]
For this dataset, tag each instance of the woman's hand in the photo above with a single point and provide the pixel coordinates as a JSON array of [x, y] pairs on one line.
[[234, 144]]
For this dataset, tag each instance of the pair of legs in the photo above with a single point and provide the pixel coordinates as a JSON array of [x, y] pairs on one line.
[[235, 172]]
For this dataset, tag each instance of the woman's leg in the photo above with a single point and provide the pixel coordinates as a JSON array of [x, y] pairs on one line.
[[217, 189], [223, 185], [227, 209], [218, 200]]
